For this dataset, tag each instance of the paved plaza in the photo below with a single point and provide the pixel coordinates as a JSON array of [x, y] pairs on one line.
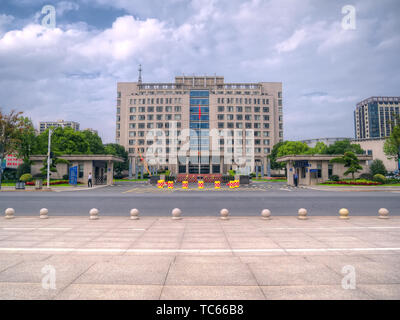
[[199, 258]]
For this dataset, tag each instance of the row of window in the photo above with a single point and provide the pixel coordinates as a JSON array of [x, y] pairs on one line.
[[222, 149], [157, 109], [239, 125], [201, 134], [203, 142], [150, 125], [240, 100], [155, 101], [158, 117], [247, 117], [240, 109]]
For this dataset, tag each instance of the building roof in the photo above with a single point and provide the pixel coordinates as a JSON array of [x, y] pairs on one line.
[[317, 157], [82, 157]]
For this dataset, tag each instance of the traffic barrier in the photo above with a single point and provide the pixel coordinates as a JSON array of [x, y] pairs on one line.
[[237, 183], [231, 184], [224, 214], [266, 214], [185, 184], [176, 214], [160, 184], [134, 214], [201, 184], [43, 213], [217, 184], [9, 213], [170, 184], [344, 214], [383, 213], [93, 214], [302, 214]]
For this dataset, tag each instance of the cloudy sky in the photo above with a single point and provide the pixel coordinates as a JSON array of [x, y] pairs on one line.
[[70, 72]]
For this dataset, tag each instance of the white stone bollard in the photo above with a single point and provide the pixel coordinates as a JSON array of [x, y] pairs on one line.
[[94, 214], [224, 214], [176, 214], [134, 214], [43, 213], [266, 214], [383, 213], [344, 214], [302, 214], [9, 213]]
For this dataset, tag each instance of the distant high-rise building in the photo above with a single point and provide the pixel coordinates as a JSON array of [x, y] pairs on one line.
[[201, 104], [44, 125], [375, 116]]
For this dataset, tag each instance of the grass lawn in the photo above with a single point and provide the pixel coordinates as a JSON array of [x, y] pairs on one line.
[[347, 185]]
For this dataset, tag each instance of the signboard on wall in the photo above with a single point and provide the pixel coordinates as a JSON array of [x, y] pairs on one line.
[[73, 175], [12, 161]]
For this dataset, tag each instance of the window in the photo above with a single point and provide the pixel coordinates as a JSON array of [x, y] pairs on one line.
[[141, 117], [132, 118], [118, 110], [257, 109], [239, 117], [150, 109], [150, 117], [220, 117], [159, 117], [229, 109], [142, 109], [132, 125], [178, 109], [132, 109], [168, 109], [177, 117], [247, 117], [220, 125], [248, 125], [239, 109], [266, 118], [141, 125], [220, 108], [229, 116], [239, 125], [265, 109], [266, 126], [247, 109], [132, 133], [230, 125], [159, 109]]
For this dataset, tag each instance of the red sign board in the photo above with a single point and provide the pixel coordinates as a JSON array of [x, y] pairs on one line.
[[12, 161]]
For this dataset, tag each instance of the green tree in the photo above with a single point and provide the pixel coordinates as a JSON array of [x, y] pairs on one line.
[[319, 148], [95, 144], [377, 167], [119, 151], [350, 161], [391, 148], [273, 155], [340, 147], [292, 148]]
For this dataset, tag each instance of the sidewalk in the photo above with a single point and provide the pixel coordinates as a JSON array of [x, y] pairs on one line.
[[199, 258], [354, 188], [52, 188]]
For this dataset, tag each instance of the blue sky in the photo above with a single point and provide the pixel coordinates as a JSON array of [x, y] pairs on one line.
[[71, 72]]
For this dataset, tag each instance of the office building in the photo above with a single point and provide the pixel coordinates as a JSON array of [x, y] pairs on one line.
[[44, 125]]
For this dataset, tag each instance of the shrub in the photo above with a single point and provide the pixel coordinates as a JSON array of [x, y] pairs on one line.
[[25, 177], [167, 172], [232, 172], [377, 167], [379, 178], [367, 176], [22, 169], [334, 177], [65, 177]]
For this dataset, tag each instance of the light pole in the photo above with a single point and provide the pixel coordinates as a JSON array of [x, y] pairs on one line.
[[48, 160]]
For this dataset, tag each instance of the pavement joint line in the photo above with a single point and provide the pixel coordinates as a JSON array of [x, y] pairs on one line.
[[329, 228], [16, 228], [116, 250]]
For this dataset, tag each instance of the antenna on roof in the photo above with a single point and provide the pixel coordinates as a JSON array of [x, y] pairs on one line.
[[140, 74]]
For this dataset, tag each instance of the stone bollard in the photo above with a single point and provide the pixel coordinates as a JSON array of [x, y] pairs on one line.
[[176, 214], [344, 214], [43, 213], [94, 214], [266, 214], [134, 214], [302, 214], [9, 213], [383, 213], [224, 214]]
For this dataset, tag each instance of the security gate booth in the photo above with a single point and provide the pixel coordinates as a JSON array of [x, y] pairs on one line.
[[99, 165]]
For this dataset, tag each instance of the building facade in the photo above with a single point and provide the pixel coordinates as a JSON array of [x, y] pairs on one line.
[[201, 106], [44, 125], [374, 148], [375, 116]]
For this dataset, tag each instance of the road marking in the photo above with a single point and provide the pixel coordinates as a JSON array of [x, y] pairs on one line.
[[288, 250], [137, 229], [329, 228], [284, 189]]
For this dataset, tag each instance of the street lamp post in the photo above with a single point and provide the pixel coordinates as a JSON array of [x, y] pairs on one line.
[[48, 160]]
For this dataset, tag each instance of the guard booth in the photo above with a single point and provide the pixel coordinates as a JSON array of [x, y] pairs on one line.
[[314, 169], [99, 165]]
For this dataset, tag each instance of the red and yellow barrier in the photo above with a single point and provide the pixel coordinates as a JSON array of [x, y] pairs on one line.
[[201, 184], [170, 184], [160, 184], [185, 184], [217, 184]]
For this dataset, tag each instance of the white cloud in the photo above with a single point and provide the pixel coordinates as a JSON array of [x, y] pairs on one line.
[[293, 42]]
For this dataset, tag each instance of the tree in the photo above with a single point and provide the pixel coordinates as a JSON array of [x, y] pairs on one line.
[[377, 167], [95, 144], [319, 148], [340, 147], [119, 151], [11, 126], [292, 148], [272, 157], [350, 161], [391, 148]]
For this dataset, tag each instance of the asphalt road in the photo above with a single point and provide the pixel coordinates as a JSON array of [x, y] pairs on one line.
[[118, 200]]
